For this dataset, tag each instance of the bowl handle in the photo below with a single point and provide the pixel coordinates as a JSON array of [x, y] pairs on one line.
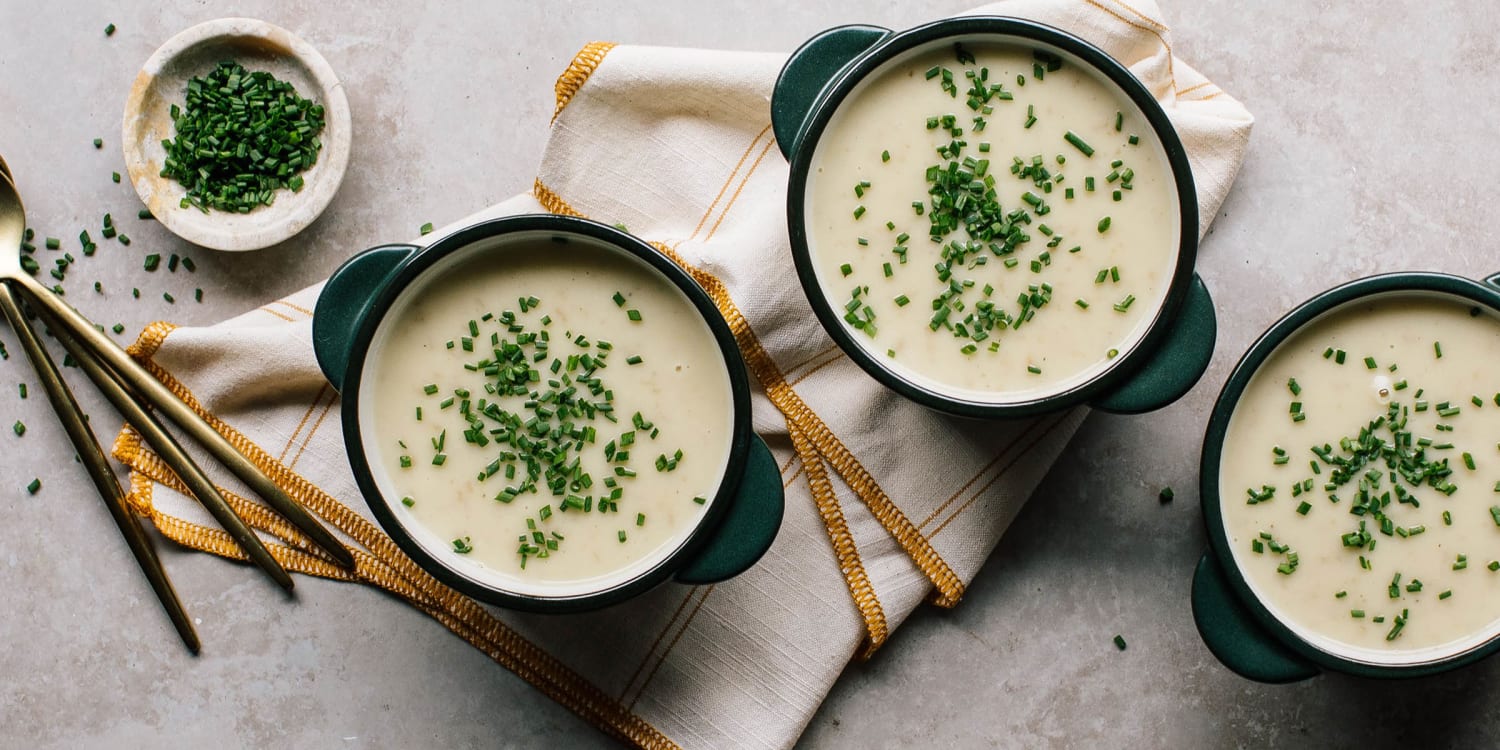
[[1234, 638], [808, 72], [750, 526], [1178, 363], [343, 302]]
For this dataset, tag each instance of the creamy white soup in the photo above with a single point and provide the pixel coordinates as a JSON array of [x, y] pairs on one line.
[[1360, 481], [994, 223], [554, 416]]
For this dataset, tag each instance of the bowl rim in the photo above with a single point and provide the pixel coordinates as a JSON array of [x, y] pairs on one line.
[[1479, 293], [558, 227], [333, 159], [833, 96]]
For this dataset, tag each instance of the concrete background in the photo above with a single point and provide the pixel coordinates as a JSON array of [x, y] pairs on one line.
[[1373, 152]]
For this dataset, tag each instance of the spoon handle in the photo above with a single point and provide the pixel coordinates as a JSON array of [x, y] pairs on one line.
[[172, 452], [149, 388], [99, 471]]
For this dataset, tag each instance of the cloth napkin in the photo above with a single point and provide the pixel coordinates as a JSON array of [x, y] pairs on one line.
[[888, 504]]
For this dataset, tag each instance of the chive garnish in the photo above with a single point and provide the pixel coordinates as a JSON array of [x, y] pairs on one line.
[[1078, 143], [1119, 641], [34, 486], [274, 130], [1104, 225]]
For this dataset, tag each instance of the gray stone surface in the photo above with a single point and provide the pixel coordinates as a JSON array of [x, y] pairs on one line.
[[1373, 152]]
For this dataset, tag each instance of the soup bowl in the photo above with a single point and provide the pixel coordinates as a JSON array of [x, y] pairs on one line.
[[840, 115], [1360, 564], [529, 442]]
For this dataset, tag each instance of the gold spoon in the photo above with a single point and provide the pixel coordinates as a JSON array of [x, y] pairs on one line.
[[83, 438], [133, 375], [172, 452], [168, 448]]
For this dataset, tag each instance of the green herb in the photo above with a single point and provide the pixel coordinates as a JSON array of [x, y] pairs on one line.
[[109, 30], [98, 143], [633, 314], [115, 177], [1445, 594], [885, 156], [19, 428], [240, 137], [462, 546], [1120, 642], [425, 229], [1165, 495], [34, 486], [1078, 143], [1370, 363], [1104, 225], [408, 502], [153, 261]]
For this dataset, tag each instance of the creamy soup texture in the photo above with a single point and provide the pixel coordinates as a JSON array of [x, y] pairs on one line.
[[994, 223], [551, 415], [1371, 523]]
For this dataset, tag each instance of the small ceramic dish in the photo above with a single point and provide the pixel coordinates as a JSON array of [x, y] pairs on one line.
[[259, 46], [363, 335], [1168, 346], [1257, 622]]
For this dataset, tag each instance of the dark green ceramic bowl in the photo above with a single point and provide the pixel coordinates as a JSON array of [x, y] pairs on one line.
[[1175, 350], [741, 519], [1235, 624]]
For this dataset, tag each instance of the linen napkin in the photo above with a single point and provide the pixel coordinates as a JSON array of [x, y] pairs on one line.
[[887, 503]]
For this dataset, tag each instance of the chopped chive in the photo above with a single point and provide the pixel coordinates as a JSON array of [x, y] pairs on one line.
[[885, 156], [1370, 363], [1078, 143], [1437, 348], [425, 229], [1165, 495], [408, 502], [1119, 641], [1104, 225], [34, 486], [633, 314]]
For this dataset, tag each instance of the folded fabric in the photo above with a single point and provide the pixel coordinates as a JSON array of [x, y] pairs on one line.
[[888, 503]]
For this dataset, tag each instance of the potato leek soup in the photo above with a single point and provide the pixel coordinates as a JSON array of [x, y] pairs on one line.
[[552, 415], [996, 223], [1360, 479]]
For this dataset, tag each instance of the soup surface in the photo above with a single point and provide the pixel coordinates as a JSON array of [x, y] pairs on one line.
[[1360, 480], [997, 223], [554, 416]]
